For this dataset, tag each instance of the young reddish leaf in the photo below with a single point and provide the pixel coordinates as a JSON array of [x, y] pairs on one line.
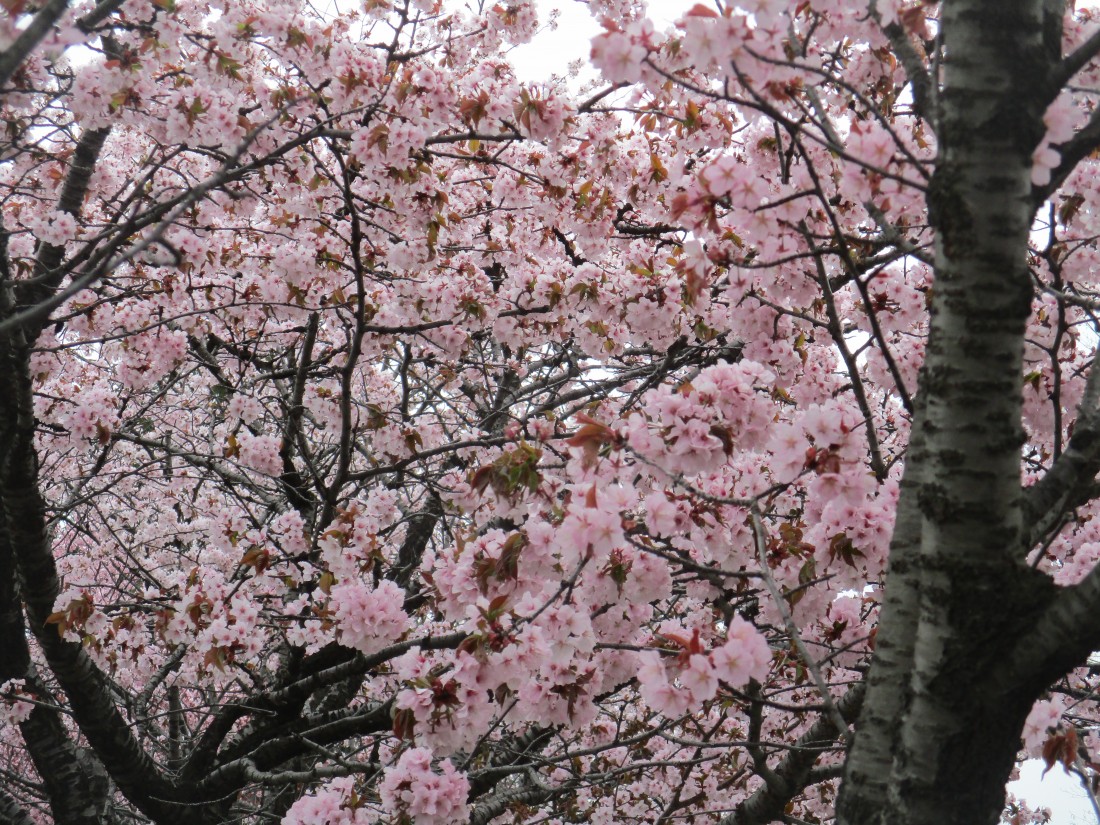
[[404, 724], [699, 10], [60, 619], [724, 435], [482, 478], [1060, 747], [257, 558]]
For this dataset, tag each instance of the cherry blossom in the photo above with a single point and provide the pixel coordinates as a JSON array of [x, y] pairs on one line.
[[392, 438]]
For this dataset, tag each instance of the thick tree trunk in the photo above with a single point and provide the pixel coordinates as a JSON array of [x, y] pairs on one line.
[[941, 724]]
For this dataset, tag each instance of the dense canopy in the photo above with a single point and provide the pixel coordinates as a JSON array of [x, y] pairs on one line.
[[384, 438]]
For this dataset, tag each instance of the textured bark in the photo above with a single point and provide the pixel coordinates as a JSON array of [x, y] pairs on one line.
[[75, 784], [11, 813], [75, 781], [89, 696], [77, 793], [888, 690], [940, 730]]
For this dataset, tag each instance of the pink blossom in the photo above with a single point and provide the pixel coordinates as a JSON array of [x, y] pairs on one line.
[[618, 56], [699, 678], [744, 656], [1045, 714], [60, 229], [329, 805], [871, 144], [412, 788], [657, 690], [369, 618], [13, 710], [260, 452]]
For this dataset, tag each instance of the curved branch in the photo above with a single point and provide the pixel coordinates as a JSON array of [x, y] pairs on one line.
[[924, 90], [794, 772], [490, 809], [1075, 61], [89, 694], [13, 56], [48, 260], [486, 779], [293, 696], [1073, 151], [300, 737], [1068, 483]]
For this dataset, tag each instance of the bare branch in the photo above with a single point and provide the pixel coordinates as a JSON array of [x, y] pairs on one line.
[[1067, 484]]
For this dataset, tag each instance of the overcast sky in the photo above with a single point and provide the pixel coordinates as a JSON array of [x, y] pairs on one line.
[[552, 51]]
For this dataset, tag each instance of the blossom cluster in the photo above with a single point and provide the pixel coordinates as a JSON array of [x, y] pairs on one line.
[[676, 685], [429, 409], [13, 709]]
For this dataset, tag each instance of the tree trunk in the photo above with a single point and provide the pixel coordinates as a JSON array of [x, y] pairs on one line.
[[941, 724]]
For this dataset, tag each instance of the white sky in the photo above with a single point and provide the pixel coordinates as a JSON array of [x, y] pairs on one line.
[[1059, 791], [552, 51]]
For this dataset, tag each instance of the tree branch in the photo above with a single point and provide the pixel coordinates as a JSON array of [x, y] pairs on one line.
[[13, 56], [920, 79], [1075, 61], [12, 813], [49, 257], [89, 695], [1069, 479], [1073, 151], [493, 807], [795, 769], [1059, 639]]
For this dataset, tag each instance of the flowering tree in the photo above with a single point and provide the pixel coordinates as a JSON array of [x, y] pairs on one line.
[[383, 439]]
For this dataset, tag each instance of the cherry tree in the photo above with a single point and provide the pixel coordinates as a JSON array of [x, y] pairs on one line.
[[384, 439]]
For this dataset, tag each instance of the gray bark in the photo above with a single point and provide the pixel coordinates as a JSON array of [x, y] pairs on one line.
[[940, 729]]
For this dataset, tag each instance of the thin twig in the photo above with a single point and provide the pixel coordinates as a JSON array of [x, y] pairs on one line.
[[792, 629]]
